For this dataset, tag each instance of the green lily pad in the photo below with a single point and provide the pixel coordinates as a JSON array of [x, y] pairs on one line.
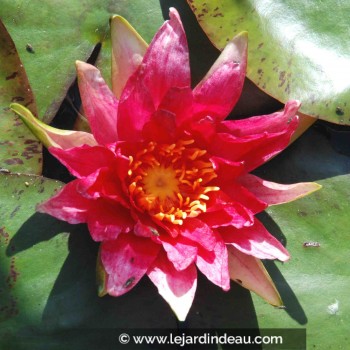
[[315, 283], [19, 150], [297, 50], [52, 35]]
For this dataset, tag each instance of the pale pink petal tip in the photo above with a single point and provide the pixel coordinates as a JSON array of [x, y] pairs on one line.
[[274, 193], [128, 49], [176, 287], [250, 273]]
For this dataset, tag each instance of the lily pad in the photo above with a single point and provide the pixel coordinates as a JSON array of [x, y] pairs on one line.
[[296, 49], [315, 283], [19, 150], [52, 35]]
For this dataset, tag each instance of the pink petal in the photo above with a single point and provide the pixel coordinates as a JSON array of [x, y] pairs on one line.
[[273, 193], [246, 198], [165, 65], [223, 211], [180, 251], [107, 220], [67, 205], [135, 109], [128, 49], [256, 241], [126, 260], [178, 101], [176, 287], [166, 62], [271, 123], [214, 265], [255, 145], [250, 273], [160, 128], [226, 170], [254, 150], [199, 232], [221, 88], [99, 103], [85, 160]]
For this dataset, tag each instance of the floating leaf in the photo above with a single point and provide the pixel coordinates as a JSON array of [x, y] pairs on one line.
[[19, 151], [315, 230], [51, 36], [296, 50]]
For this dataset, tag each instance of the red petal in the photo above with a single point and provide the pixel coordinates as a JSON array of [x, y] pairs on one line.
[[135, 109], [107, 220], [221, 88], [67, 205], [255, 240], [255, 145], [199, 232], [274, 193], [160, 128], [166, 62], [126, 260], [214, 265], [180, 251], [240, 194], [271, 123], [99, 103], [223, 211], [176, 287], [84, 160], [165, 65]]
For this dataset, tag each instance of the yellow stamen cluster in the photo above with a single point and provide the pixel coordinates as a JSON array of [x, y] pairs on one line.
[[169, 181]]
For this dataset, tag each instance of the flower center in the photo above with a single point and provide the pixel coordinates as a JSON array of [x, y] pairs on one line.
[[170, 181]]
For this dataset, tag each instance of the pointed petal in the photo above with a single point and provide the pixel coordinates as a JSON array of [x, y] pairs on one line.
[[176, 287], [49, 136], [126, 260], [85, 160], [166, 62], [180, 251], [103, 183], [128, 49], [256, 241], [235, 143], [221, 88], [214, 264], [271, 123], [99, 103], [165, 65], [107, 220], [250, 273], [273, 193], [243, 196], [223, 211], [67, 205], [135, 109], [199, 232]]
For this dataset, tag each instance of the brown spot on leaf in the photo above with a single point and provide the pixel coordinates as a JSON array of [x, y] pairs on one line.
[[12, 76], [14, 161], [17, 99]]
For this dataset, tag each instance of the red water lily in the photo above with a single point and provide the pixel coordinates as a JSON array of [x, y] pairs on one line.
[[163, 180]]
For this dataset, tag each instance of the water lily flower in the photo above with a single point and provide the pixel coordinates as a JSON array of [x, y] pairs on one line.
[[163, 181]]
